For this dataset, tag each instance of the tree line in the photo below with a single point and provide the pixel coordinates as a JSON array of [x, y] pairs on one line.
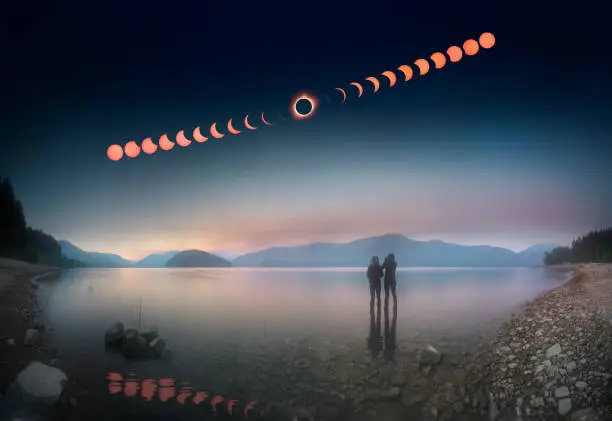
[[594, 247], [22, 242]]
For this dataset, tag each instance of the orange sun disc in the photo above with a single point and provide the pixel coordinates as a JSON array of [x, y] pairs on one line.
[[314, 102]]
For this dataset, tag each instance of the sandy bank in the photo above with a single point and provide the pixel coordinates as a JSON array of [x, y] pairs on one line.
[[18, 313], [554, 361]]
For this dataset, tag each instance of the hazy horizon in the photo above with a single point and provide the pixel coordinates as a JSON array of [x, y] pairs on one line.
[[231, 255]]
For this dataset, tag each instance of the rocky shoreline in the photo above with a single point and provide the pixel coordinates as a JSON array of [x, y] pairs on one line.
[[21, 339], [554, 361]]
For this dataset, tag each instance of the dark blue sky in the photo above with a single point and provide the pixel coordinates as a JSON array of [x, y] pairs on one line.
[[509, 147]]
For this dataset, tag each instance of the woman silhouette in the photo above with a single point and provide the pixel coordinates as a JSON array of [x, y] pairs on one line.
[[374, 274], [390, 267]]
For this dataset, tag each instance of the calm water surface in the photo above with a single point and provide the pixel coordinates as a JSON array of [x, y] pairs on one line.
[[262, 333]]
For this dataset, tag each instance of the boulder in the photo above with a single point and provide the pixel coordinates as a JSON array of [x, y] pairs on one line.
[[114, 334], [38, 384], [135, 347], [150, 335], [158, 346]]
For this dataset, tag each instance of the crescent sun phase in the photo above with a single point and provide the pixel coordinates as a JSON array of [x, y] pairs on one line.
[[264, 120]]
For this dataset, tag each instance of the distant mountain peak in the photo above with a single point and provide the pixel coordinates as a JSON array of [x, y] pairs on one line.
[[196, 258], [408, 252], [157, 260], [540, 248]]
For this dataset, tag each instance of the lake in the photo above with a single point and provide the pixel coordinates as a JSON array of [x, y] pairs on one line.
[[292, 337]]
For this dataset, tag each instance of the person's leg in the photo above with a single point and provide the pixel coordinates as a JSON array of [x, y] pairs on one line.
[[386, 291], [393, 291], [372, 292], [378, 293]]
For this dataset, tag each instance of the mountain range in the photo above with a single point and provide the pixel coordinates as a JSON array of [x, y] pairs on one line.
[[356, 253]]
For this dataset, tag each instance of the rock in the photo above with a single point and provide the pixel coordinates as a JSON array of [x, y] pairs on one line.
[[581, 385], [582, 414], [384, 394], [450, 395], [114, 334], [32, 337], [398, 379], [328, 413], [301, 414], [571, 366], [429, 356], [159, 346], [150, 335], [10, 342], [552, 371], [460, 375], [303, 363], [135, 347], [54, 362], [564, 406], [553, 350], [410, 398], [72, 401], [518, 405], [512, 365], [38, 383], [561, 392]]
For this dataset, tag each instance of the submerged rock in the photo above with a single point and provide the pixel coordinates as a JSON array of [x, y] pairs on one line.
[[159, 346], [114, 334], [429, 356], [135, 347], [32, 337], [150, 335]]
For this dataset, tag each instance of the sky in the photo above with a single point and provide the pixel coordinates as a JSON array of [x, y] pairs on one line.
[[510, 147]]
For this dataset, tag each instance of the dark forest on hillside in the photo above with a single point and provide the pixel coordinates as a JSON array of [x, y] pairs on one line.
[[595, 247], [21, 242]]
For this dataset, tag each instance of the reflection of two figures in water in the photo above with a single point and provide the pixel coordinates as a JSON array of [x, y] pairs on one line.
[[376, 271]]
